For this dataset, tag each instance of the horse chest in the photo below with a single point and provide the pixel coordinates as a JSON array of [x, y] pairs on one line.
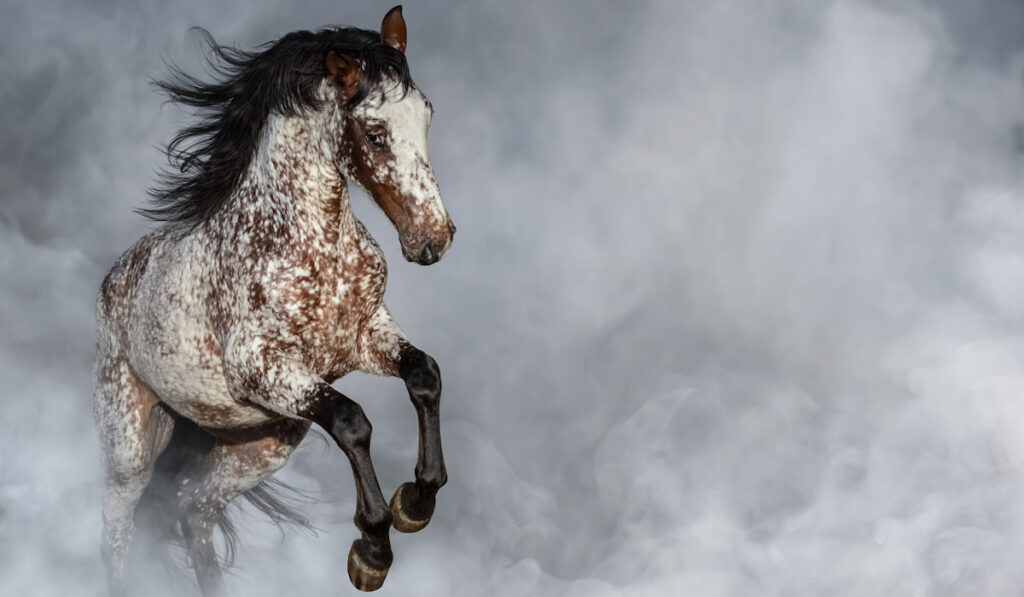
[[358, 293], [348, 293]]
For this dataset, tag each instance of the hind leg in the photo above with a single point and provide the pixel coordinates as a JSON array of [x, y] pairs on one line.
[[133, 431], [238, 462]]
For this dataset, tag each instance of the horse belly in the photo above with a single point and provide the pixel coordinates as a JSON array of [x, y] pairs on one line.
[[189, 378], [198, 391]]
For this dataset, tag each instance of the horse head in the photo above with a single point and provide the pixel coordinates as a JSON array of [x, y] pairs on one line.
[[384, 148]]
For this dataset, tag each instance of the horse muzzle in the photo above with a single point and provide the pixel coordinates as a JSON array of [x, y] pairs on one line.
[[430, 251]]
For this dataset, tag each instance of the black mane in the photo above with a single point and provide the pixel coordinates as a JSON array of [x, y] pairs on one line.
[[210, 157]]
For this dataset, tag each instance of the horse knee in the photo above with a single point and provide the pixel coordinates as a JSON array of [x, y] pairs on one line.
[[350, 427], [422, 378]]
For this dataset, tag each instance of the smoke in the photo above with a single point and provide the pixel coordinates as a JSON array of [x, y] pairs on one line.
[[734, 307]]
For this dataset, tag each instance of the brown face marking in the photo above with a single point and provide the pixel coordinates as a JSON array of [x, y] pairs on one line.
[[396, 173], [367, 164]]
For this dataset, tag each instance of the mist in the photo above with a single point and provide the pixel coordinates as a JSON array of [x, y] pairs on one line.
[[735, 305]]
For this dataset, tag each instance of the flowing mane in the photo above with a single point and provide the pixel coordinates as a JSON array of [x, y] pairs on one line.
[[210, 157]]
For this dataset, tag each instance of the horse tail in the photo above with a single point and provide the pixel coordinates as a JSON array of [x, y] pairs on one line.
[[160, 511]]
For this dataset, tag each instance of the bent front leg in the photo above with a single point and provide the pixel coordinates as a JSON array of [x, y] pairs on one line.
[[284, 386], [370, 556], [388, 352]]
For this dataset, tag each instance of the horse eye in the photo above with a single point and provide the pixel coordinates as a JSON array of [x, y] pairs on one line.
[[375, 139]]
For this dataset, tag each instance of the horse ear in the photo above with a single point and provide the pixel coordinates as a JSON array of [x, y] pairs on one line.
[[392, 29], [344, 72]]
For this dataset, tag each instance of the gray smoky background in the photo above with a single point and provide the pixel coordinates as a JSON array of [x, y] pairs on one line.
[[736, 306]]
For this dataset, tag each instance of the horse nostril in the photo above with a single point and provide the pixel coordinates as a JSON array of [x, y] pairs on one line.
[[428, 255]]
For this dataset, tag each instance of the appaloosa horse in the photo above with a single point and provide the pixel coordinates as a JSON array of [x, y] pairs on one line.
[[262, 288]]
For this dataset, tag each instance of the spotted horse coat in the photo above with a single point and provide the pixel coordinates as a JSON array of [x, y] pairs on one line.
[[262, 288]]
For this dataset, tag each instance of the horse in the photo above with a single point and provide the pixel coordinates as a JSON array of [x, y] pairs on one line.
[[260, 288]]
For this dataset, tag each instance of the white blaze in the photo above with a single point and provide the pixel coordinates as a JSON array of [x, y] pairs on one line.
[[407, 120]]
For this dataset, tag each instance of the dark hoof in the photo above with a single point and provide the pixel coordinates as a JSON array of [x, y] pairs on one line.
[[404, 518], [364, 576]]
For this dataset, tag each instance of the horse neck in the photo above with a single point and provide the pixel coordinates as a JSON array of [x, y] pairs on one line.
[[294, 188]]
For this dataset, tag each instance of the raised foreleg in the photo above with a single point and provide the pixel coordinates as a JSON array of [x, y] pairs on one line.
[[386, 351], [283, 385]]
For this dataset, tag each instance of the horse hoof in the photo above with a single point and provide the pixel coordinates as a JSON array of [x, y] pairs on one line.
[[364, 576], [402, 518]]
